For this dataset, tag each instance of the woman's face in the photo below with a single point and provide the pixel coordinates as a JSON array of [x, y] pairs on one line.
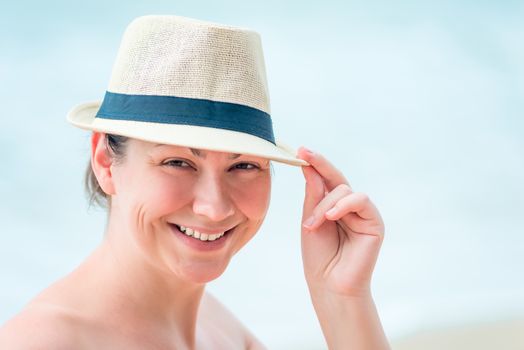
[[162, 191]]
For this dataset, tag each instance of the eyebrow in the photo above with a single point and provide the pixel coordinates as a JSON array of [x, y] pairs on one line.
[[199, 153]]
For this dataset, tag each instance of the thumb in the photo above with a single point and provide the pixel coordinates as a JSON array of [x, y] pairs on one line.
[[315, 191]]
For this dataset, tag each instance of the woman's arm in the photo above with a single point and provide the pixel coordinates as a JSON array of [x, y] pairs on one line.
[[350, 323], [341, 237]]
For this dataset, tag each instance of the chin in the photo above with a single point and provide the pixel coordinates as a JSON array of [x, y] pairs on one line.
[[201, 273]]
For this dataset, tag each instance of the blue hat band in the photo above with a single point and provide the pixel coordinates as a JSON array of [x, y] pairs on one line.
[[187, 111]]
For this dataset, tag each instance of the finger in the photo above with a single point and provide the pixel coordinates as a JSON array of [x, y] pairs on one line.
[[316, 248], [332, 176], [318, 215], [363, 208], [361, 226], [315, 191]]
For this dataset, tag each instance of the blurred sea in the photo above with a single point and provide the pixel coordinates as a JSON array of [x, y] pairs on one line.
[[419, 103]]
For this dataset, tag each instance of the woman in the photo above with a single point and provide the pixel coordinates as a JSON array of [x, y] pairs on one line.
[[181, 150]]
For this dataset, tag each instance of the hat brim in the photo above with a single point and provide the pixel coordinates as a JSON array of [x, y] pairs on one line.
[[214, 139]]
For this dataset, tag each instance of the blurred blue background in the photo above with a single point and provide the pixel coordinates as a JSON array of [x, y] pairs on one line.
[[419, 103]]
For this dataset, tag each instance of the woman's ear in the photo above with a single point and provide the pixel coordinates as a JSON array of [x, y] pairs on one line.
[[101, 162]]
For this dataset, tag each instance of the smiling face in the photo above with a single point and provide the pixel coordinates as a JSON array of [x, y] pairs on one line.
[[168, 199]]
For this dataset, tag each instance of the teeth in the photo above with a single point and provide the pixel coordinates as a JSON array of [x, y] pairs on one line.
[[201, 236]]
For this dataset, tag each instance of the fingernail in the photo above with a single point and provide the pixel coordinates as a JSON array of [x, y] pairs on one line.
[[309, 221], [308, 150], [331, 211]]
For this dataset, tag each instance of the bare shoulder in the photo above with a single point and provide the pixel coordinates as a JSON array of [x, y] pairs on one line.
[[215, 314], [40, 326]]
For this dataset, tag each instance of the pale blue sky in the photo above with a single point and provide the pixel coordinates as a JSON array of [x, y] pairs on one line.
[[420, 103]]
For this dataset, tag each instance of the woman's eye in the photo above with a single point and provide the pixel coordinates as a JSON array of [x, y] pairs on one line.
[[177, 163], [246, 166]]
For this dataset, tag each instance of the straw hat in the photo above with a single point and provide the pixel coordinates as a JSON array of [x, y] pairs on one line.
[[191, 83]]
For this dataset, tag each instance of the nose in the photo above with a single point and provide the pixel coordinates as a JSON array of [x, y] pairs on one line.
[[211, 199]]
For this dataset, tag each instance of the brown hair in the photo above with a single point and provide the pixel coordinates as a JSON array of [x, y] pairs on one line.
[[115, 144]]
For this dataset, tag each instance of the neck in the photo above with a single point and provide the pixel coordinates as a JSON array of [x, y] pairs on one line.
[[134, 295]]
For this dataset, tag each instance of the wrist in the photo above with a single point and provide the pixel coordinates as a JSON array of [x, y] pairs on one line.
[[349, 321], [339, 305], [320, 291]]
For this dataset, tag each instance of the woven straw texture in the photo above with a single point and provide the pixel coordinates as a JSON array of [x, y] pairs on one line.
[[178, 56], [185, 57]]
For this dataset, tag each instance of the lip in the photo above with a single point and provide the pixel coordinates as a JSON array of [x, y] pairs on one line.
[[208, 231], [204, 246]]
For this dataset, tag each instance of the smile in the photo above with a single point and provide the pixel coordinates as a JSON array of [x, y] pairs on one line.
[[199, 235]]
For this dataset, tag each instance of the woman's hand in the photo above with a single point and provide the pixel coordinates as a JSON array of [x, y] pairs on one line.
[[341, 234]]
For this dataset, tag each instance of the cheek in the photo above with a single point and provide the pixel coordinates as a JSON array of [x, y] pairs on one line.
[[157, 193], [252, 197], [166, 193]]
